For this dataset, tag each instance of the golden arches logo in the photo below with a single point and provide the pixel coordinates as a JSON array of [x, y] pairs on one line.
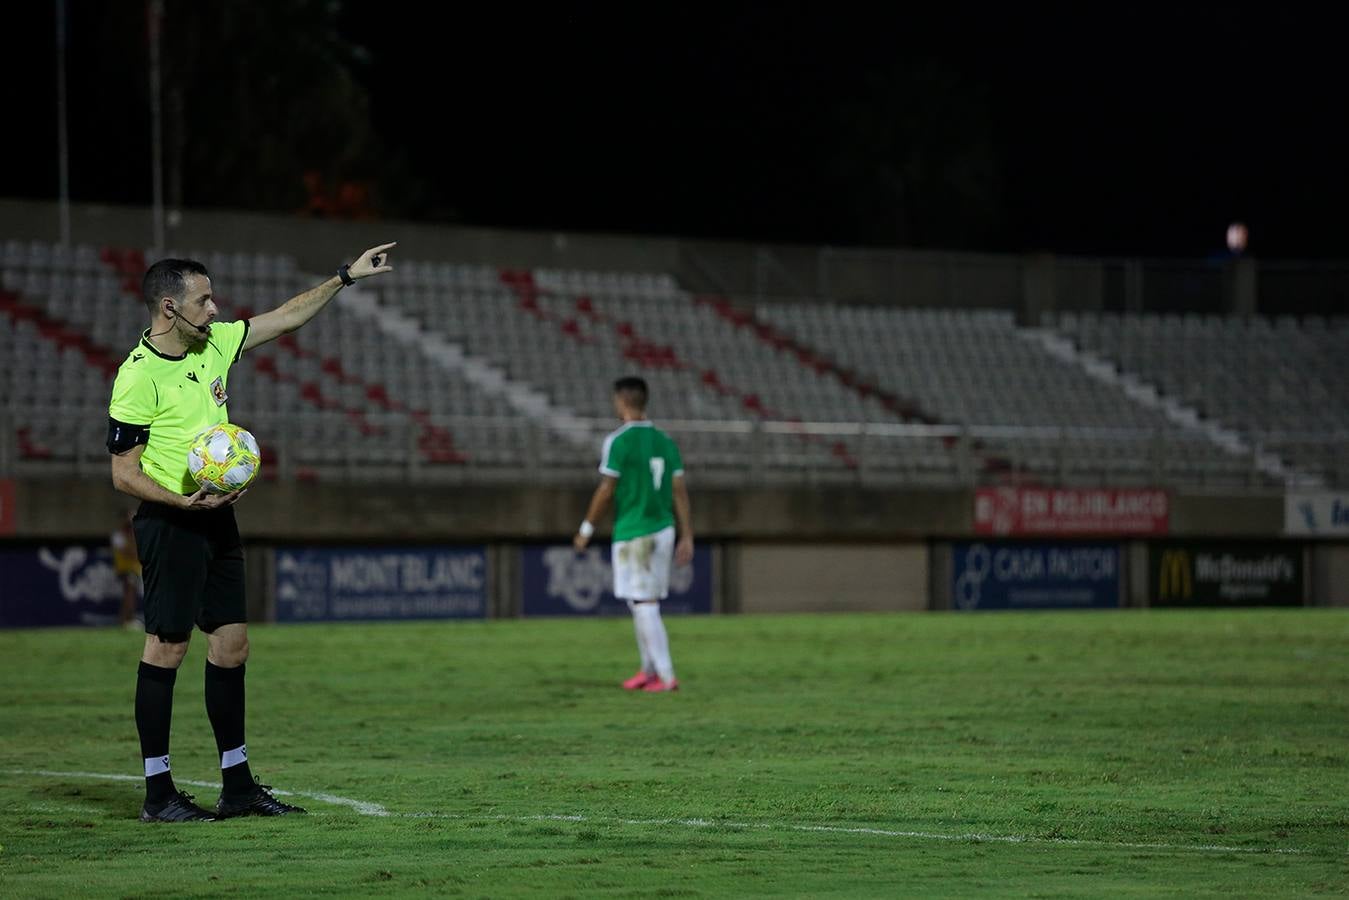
[[1174, 575]]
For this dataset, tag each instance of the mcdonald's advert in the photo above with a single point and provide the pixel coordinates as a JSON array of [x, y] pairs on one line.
[[1225, 574]]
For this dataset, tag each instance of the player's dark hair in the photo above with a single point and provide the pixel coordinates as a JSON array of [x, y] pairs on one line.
[[633, 391], [168, 278]]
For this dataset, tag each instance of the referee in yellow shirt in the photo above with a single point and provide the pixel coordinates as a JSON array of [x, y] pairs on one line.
[[173, 385]]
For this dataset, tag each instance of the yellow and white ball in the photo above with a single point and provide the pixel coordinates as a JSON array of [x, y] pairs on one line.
[[224, 458]]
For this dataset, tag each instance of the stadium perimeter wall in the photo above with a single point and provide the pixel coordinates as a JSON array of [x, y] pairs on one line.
[[48, 508], [867, 577], [1330, 574], [783, 550]]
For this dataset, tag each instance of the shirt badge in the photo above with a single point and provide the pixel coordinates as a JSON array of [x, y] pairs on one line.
[[218, 391]]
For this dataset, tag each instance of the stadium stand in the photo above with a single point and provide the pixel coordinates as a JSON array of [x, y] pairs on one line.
[[978, 369], [1280, 382], [473, 372], [337, 395]]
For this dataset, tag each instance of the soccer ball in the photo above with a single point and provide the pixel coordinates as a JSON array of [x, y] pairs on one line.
[[224, 458]]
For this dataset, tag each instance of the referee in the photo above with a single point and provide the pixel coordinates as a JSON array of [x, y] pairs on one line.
[[172, 386]]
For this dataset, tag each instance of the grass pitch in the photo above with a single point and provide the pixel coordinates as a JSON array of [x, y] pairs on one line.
[[1146, 754]]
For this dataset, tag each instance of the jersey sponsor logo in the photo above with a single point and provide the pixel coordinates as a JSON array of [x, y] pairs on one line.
[[137, 357], [218, 391], [192, 376]]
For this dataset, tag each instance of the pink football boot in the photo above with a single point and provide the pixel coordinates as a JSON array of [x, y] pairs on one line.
[[656, 686], [639, 681]]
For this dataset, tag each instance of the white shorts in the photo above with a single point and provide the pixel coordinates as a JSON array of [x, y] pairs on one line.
[[642, 566]]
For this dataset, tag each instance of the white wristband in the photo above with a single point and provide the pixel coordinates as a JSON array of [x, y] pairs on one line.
[[586, 529]]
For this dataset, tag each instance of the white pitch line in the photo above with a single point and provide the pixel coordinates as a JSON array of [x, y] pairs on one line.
[[365, 808], [970, 838], [64, 808], [360, 806]]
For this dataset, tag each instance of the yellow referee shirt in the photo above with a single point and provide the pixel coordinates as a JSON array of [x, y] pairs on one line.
[[166, 401]]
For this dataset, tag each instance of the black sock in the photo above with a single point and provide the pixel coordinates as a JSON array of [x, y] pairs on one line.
[[154, 712], [225, 708]]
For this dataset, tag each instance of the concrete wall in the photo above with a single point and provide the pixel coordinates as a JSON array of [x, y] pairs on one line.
[[833, 578], [1226, 515], [1330, 575], [44, 508], [72, 508]]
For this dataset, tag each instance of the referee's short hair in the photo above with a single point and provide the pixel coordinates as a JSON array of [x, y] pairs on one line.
[[633, 391], [168, 278]]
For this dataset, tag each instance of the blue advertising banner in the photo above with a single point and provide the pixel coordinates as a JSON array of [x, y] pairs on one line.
[[58, 584], [331, 584], [998, 575], [555, 580]]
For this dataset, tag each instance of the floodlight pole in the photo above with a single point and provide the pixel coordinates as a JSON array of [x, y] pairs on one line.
[[155, 10], [62, 137]]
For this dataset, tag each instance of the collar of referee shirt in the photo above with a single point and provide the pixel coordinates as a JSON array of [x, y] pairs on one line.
[[149, 345]]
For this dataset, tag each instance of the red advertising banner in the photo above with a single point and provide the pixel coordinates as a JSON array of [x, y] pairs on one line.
[[1064, 512], [7, 517]]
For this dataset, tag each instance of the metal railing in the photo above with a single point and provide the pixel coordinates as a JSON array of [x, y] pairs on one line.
[[732, 452]]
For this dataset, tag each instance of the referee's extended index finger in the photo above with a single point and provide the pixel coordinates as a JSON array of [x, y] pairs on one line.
[[382, 247]]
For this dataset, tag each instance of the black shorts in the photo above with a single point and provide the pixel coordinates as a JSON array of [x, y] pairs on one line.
[[193, 567]]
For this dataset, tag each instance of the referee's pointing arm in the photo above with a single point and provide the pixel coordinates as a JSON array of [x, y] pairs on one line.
[[297, 310]]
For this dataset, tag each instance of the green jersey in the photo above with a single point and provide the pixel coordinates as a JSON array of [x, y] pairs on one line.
[[168, 400], [644, 460]]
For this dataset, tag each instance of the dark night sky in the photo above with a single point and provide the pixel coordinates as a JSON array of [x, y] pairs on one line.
[[1073, 127]]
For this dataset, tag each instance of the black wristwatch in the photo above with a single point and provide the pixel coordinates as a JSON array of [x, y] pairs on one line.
[[344, 274]]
